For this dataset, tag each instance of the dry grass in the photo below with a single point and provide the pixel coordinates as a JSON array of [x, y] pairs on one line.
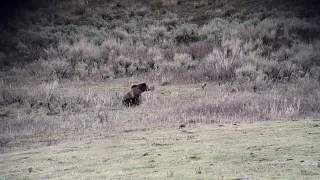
[[244, 107], [53, 108]]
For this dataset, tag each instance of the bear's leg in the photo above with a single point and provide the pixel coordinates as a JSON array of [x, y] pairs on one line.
[[138, 101], [127, 102], [131, 102]]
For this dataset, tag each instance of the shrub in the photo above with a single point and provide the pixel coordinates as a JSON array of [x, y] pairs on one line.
[[246, 73], [120, 34], [214, 31], [170, 21], [279, 72], [308, 58], [199, 50], [186, 33], [219, 66], [158, 34], [184, 60], [131, 27], [168, 54]]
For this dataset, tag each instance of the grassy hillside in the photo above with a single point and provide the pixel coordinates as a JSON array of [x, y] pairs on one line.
[[244, 73], [78, 33]]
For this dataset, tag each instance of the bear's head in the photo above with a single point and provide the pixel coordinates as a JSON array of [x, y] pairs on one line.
[[142, 87]]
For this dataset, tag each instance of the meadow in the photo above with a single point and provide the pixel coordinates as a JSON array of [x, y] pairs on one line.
[[235, 90]]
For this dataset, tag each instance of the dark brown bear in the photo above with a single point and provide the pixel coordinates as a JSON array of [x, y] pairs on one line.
[[132, 97]]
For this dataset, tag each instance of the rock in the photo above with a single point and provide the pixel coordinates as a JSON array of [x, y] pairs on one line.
[[182, 126], [203, 85]]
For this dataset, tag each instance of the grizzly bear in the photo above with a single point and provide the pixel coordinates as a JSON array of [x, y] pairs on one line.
[[132, 97]]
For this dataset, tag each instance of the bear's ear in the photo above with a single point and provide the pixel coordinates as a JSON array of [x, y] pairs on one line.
[[134, 86], [143, 84]]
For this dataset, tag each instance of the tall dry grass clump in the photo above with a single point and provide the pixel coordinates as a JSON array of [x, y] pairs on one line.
[[48, 108], [245, 107]]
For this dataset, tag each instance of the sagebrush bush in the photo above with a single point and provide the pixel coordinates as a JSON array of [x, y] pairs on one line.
[[184, 60], [214, 31], [279, 72], [199, 50], [186, 33], [247, 73], [158, 34], [307, 57]]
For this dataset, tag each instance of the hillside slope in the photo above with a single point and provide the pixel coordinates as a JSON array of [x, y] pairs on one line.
[[235, 89], [29, 26]]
